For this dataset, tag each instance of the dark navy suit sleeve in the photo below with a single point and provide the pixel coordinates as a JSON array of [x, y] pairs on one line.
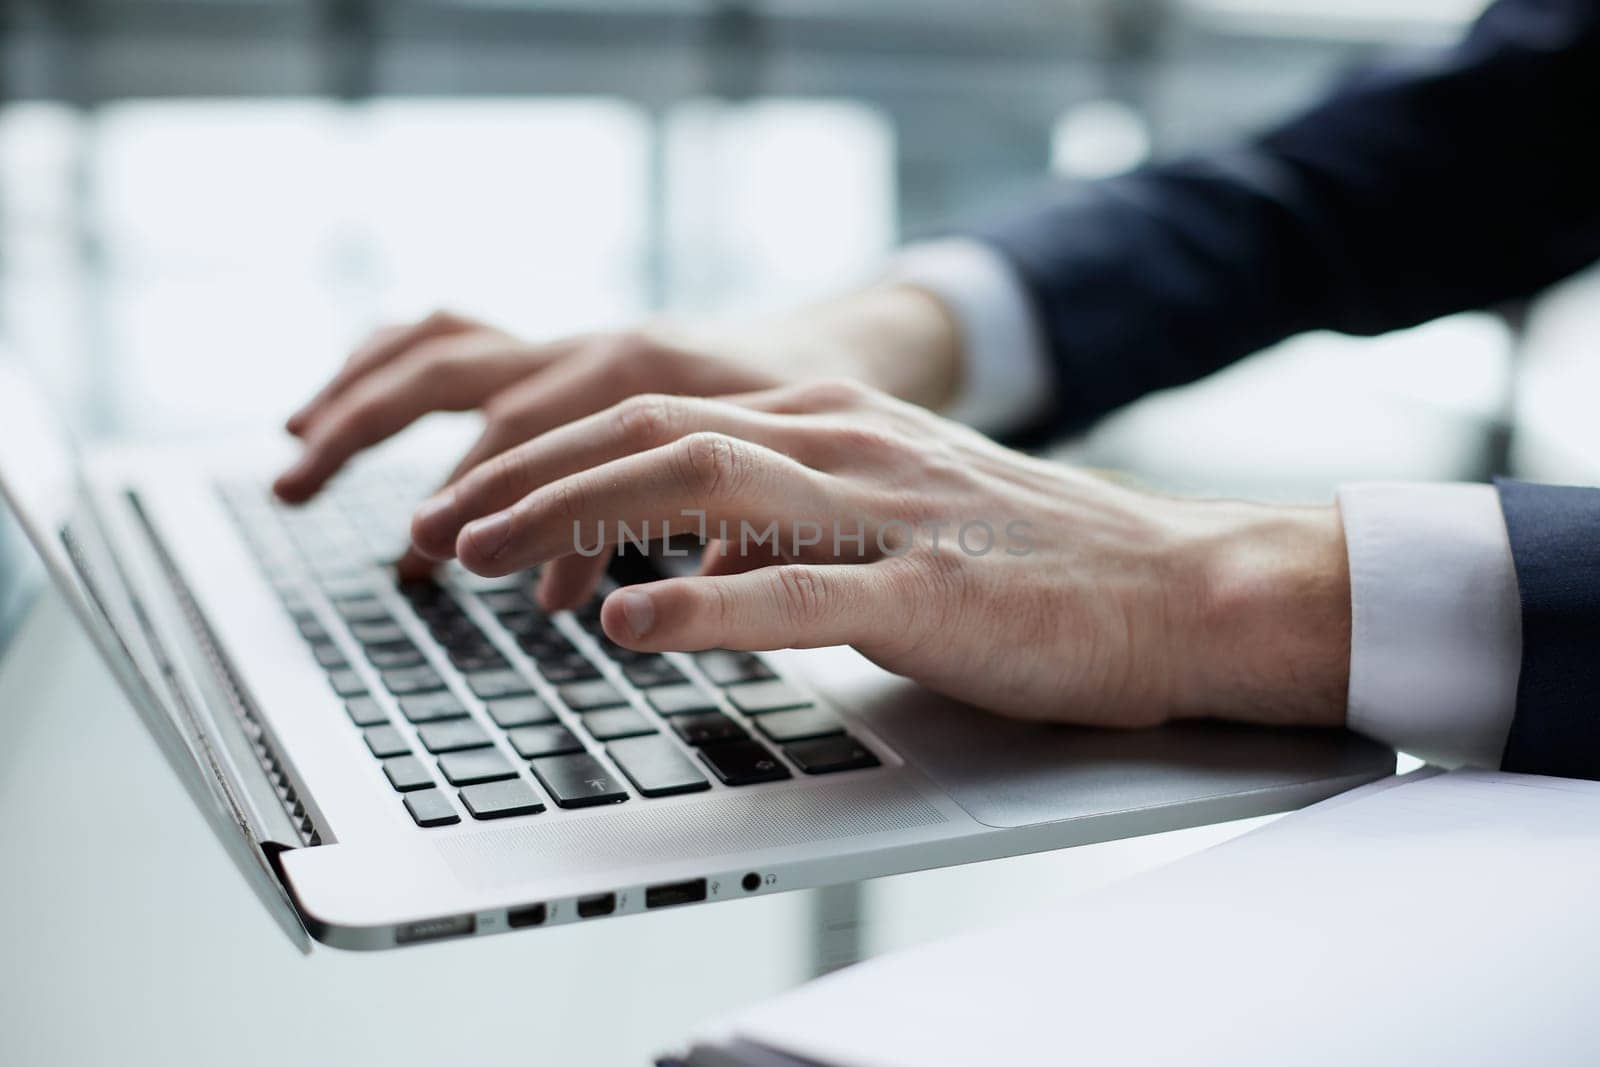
[[1555, 543], [1455, 180]]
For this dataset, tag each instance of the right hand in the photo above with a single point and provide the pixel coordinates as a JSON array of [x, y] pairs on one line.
[[896, 338]]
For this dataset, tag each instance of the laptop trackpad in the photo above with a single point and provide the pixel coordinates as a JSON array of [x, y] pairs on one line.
[[1006, 773]]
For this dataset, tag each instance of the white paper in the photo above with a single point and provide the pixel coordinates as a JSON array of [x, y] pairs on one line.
[[1454, 919]]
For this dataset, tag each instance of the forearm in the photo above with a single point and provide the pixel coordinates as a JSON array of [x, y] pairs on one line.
[[1442, 185]]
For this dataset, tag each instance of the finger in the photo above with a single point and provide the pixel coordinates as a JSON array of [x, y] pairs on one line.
[[644, 496], [383, 346], [636, 425], [571, 580], [415, 563], [802, 398], [788, 606], [452, 375]]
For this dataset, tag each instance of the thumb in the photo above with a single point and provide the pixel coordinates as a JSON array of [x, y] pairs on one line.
[[788, 606]]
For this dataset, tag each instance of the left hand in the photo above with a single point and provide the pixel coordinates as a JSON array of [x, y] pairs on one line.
[[1046, 594]]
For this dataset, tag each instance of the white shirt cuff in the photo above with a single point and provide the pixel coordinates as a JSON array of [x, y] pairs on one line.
[[1007, 380], [1436, 620]]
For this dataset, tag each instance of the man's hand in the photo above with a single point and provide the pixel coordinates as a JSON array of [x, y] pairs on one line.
[[897, 338], [1016, 584]]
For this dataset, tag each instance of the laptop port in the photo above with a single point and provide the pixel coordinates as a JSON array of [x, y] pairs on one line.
[[600, 904], [750, 882], [435, 929], [665, 896], [531, 915]]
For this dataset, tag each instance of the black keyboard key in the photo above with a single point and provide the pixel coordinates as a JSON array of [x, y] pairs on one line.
[[507, 601], [456, 633], [408, 680], [386, 741], [651, 672], [377, 633], [473, 659], [512, 712], [743, 763], [428, 807], [581, 696], [724, 667], [347, 683], [656, 767], [547, 646], [362, 609], [578, 781], [799, 724], [617, 653], [501, 800], [824, 755], [491, 685], [706, 728], [364, 711], [570, 667], [679, 699], [607, 724], [423, 593], [329, 657], [531, 624], [757, 697], [452, 736], [396, 655], [477, 765], [432, 707], [551, 739], [406, 773]]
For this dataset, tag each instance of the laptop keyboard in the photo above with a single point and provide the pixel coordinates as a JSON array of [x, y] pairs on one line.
[[477, 705]]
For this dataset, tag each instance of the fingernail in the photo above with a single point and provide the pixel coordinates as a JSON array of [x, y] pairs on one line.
[[489, 536], [637, 609]]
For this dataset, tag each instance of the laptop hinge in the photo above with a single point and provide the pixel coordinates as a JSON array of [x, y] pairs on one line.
[[230, 691]]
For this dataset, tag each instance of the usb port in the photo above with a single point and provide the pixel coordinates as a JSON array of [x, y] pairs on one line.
[[665, 896], [531, 915], [435, 929], [600, 904]]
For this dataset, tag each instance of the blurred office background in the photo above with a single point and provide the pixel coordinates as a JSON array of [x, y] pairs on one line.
[[204, 203]]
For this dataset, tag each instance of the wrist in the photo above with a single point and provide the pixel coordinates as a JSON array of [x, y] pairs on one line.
[[1270, 622], [898, 338]]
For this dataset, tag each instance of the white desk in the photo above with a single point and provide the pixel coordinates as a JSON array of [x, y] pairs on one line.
[[126, 936]]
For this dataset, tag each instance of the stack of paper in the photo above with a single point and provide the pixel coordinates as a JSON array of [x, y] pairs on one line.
[[1452, 919]]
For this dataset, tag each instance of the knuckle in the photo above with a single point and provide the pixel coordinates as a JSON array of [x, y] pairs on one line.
[[443, 319], [803, 592], [501, 413], [713, 464], [834, 393], [569, 499], [872, 442], [646, 419], [933, 585], [499, 475], [361, 422], [433, 369], [718, 604], [629, 349]]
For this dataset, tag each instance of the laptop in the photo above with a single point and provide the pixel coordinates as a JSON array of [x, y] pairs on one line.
[[394, 764]]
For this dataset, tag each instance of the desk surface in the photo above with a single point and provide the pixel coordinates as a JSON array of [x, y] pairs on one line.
[[127, 937]]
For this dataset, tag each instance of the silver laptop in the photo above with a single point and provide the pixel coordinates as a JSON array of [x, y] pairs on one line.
[[392, 764]]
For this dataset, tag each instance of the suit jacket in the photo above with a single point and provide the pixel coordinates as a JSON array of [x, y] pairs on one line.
[[1442, 183]]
